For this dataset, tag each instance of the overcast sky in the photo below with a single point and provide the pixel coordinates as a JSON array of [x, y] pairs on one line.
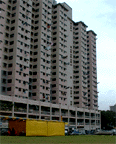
[[100, 16]]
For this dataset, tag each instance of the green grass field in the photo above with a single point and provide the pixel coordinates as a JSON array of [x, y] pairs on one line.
[[82, 139]]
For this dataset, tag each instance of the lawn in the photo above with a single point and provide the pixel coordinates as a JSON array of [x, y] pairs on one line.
[[82, 139]]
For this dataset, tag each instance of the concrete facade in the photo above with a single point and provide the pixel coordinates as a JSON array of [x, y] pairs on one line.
[[47, 63]]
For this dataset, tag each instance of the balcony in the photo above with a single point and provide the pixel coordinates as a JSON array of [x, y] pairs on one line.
[[87, 116], [80, 116], [92, 117], [3, 109], [6, 106], [56, 113], [45, 112], [64, 114], [72, 123], [33, 111], [71, 115], [20, 110], [98, 124], [80, 123], [92, 123], [87, 123]]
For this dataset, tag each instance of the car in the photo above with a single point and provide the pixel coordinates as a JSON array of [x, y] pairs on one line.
[[4, 132], [113, 131], [66, 132], [75, 132]]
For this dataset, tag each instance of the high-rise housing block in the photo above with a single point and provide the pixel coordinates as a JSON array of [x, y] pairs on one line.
[[47, 63]]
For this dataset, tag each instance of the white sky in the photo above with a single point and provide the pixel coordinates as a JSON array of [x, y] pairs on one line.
[[100, 16]]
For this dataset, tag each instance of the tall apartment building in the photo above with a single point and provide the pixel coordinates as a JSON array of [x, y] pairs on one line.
[[47, 63], [92, 70], [59, 55], [40, 51], [80, 65], [15, 48]]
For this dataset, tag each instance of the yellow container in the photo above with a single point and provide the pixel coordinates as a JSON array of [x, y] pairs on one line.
[[56, 128], [36, 128]]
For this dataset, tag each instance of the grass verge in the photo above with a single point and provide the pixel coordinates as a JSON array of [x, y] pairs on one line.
[[81, 139]]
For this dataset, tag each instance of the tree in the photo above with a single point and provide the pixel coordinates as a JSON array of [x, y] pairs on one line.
[[108, 120]]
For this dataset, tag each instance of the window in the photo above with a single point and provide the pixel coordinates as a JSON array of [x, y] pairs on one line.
[[5, 49], [10, 73], [14, 8], [34, 94], [14, 1], [7, 35], [13, 21], [35, 53], [4, 65], [70, 102], [9, 7], [13, 28], [9, 89], [8, 21], [12, 42], [8, 14], [9, 65], [53, 91], [76, 102], [10, 81], [3, 89], [4, 81], [54, 79], [13, 15], [11, 57], [35, 66], [34, 73], [11, 50], [34, 80], [34, 87], [12, 35], [7, 27]]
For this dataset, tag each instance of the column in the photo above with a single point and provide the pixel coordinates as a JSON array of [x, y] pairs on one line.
[[60, 112], [100, 119], [90, 121], [76, 116], [68, 114], [95, 121], [50, 111], [39, 110], [27, 109], [84, 116], [13, 109]]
